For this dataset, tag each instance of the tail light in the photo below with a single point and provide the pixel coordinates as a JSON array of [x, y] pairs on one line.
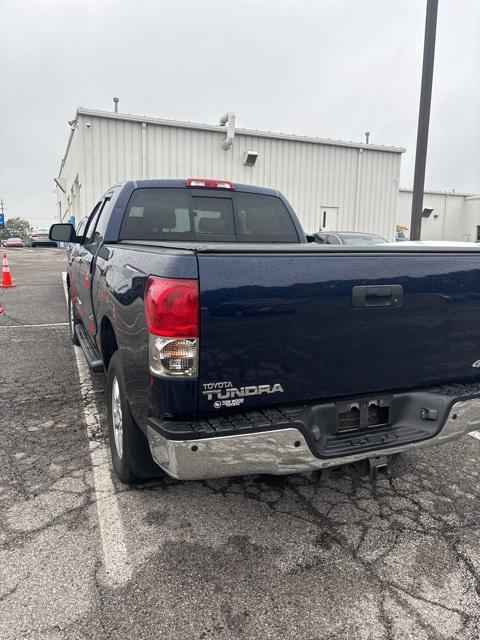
[[172, 312]]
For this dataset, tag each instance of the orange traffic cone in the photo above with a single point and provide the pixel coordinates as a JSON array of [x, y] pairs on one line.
[[6, 275]]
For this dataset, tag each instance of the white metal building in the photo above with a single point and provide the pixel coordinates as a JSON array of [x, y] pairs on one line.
[[449, 215], [471, 219], [331, 184]]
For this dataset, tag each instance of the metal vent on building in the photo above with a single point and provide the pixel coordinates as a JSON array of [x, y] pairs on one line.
[[250, 158]]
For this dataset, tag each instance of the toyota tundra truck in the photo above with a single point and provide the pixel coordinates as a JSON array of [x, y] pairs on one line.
[[233, 346]]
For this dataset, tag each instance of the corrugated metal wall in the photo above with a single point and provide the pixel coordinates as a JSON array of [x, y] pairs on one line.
[[446, 220], [471, 218], [315, 177]]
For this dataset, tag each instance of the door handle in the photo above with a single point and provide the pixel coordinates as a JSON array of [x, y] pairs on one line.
[[386, 295]]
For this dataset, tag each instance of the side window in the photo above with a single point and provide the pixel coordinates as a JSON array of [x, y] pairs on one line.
[[99, 229], [81, 227], [92, 223]]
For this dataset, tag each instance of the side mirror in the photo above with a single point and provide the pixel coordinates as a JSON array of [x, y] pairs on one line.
[[63, 233], [309, 237]]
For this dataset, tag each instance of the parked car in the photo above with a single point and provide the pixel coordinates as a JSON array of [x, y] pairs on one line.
[[13, 242], [349, 238], [232, 346], [438, 243], [40, 237]]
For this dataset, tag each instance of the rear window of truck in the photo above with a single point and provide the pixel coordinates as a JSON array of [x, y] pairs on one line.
[[182, 214]]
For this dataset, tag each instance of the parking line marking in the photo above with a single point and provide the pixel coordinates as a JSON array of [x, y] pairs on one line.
[[115, 557], [33, 326], [475, 434]]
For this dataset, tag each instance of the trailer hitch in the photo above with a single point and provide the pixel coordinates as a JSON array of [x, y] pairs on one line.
[[376, 464]]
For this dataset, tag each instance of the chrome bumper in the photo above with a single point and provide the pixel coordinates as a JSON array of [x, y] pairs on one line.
[[282, 451]]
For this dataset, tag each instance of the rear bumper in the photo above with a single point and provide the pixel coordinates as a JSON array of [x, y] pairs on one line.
[[286, 449]]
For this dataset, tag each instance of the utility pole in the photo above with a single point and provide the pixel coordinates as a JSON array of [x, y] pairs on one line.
[[423, 119]]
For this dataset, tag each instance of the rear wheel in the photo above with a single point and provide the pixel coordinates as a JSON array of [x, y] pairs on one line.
[[131, 457], [73, 320]]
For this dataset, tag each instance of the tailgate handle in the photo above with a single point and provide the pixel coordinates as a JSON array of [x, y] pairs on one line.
[[384, 295]]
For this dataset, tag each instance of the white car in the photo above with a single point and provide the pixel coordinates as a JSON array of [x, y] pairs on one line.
[[40, 237], [438, 243]]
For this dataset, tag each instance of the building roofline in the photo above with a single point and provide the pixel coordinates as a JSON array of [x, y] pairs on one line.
[[463, 194], [81, 111]]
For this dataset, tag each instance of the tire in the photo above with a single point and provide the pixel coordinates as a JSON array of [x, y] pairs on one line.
[[131, 457], [73, 320]]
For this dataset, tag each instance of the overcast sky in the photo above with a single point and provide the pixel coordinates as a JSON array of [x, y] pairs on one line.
[[328, 68]]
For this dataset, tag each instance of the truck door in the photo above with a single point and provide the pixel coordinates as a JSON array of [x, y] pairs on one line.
[[82, 269], [72, 252]]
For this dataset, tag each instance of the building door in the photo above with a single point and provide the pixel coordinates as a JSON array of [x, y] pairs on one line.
[[478, 233], [328, 219]]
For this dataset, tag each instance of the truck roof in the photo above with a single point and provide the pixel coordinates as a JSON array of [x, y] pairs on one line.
[[180, 183]]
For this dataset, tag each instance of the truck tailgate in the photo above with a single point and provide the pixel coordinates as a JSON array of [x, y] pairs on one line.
[[298, 327]]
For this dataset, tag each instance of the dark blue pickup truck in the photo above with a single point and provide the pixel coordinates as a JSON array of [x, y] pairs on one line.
[[232, 346]]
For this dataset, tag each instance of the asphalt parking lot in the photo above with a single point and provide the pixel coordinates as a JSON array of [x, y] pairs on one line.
[[306, 557]]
